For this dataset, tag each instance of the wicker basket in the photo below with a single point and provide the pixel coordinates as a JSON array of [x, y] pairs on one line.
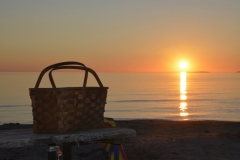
[[70, 109]]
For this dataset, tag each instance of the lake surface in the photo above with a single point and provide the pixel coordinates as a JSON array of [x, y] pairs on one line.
[[173, 96]]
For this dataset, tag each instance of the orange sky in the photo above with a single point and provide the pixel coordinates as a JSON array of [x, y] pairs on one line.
[[123, 36]]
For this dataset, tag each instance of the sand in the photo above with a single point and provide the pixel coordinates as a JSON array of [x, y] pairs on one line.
[[186, 140], [160, 139]]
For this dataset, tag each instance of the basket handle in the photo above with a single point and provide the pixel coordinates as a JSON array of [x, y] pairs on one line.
[[76, 67], [57, 65]]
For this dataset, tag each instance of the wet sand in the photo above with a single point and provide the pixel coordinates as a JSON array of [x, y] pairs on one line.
[[160, 139], [186, 140]]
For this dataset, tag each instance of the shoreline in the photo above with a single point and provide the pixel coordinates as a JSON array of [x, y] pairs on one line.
[[177, 120], [161, 139], [137, 119]]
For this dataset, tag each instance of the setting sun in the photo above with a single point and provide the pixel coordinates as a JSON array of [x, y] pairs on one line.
[[183, 65]]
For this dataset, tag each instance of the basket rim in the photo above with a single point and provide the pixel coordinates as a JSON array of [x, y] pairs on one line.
[[59, 88]]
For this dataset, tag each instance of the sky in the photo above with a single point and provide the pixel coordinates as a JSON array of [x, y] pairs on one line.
[[121, 36]]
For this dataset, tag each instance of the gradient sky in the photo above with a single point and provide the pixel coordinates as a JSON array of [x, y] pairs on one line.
[[121, 36]]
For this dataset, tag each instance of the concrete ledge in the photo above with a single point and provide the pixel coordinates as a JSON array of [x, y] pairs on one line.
[[26, 137]]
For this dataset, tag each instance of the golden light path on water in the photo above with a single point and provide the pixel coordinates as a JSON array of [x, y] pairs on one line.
[[183, 94]]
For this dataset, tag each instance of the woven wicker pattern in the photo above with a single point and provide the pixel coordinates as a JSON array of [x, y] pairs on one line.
[[64, 110]]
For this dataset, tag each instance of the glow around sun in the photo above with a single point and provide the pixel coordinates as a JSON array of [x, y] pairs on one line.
[[183, 65]]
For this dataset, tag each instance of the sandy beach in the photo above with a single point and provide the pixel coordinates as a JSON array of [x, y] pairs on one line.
[[159, 139], [185, 140]]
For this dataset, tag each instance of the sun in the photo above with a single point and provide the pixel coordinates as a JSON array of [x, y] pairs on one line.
[[183, 65]]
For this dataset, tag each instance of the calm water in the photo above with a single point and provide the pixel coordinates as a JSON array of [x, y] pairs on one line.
[[175, 96]]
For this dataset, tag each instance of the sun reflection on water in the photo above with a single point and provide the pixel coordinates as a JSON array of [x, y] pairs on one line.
[[183, 94]]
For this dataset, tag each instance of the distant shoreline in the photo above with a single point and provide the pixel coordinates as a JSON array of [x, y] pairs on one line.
[[199, 72]]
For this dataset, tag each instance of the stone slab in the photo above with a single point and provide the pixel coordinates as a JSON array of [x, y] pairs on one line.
[[26, 137]]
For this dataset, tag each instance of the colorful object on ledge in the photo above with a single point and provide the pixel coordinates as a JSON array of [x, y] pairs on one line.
[[115, 151], [109, 123]]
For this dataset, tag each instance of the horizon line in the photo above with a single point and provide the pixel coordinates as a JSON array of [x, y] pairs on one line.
[[138, 71]]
